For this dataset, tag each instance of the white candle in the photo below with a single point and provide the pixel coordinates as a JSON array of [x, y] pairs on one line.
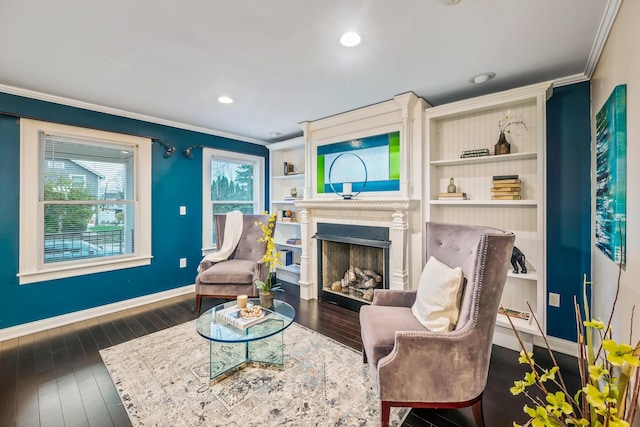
[[346, 188], [242, 301]]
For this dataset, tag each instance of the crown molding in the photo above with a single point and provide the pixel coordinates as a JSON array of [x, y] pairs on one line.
[[606, 23], [122, 113], [569, 80]]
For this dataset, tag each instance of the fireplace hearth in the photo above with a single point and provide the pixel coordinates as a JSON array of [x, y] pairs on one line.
[[353, 260]]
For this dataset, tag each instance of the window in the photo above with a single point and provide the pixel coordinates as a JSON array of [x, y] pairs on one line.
[[88, 194], [231, 181]]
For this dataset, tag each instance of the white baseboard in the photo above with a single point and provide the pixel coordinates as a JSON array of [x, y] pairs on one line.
[[504, 337], [559, 345], [78, 316]]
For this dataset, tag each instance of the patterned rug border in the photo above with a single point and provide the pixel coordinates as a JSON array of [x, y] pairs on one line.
[[157, 389]]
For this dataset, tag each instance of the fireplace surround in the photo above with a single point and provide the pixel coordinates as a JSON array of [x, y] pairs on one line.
[[352, 261]]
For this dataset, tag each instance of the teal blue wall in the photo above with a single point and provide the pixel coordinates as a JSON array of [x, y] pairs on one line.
[[176, 181], [568, 202]]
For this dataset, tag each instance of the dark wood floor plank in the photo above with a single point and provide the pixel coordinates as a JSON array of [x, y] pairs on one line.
[[43, 357], [49, 404], [71, 402], [94, 405], [8, 390], [111, 398], [110, 330], [99, 336]]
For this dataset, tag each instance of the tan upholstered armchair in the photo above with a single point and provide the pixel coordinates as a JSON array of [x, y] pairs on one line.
[[237, 275], [414, 367]]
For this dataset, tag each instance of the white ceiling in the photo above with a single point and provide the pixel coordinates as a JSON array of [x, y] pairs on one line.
[[280, 60]]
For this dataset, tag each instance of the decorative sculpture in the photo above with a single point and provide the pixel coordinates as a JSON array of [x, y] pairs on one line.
[[517, 259]]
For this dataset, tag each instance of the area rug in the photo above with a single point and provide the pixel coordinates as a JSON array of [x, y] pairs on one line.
[[163, 380]]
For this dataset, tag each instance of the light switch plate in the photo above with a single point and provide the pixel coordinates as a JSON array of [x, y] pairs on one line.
[[554, 299], [183, 262], [183, 210]]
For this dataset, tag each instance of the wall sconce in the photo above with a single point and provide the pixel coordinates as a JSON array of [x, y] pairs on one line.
[[169, 149], [188, 151]]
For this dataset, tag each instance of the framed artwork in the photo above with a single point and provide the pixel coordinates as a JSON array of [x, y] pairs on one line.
[[611, 175], [364, 164]]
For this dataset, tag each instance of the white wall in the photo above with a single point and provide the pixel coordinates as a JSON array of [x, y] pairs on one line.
[[620, 64]]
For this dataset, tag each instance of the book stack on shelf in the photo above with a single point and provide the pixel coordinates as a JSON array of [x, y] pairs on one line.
[[452, 196], [518, 314], [479, 152], [506, 187], [286, 257]]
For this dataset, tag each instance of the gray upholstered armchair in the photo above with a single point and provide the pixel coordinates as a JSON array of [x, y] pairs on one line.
[[414, 367], [237, 275]]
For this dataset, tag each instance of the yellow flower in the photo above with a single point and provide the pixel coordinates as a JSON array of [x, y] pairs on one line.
[[529, 378], [540, 417], [594, 324], [525, 358], [549, 374], [617, 354], [595, 397], [558, 406], [597, 372], [518, 387]]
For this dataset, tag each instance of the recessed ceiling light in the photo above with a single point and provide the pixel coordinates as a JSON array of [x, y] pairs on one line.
[[275, 134], [350, 39], [450, 2], [225, 99], [482, 78]]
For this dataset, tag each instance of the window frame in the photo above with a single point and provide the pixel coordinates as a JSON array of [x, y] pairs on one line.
[[258, 186], [32, 269]]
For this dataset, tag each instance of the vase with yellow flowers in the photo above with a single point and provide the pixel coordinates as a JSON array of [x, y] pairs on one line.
[[270, 259], [610, 383]]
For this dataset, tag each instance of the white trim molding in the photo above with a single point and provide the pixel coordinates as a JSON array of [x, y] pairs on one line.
[[78, 316], [606, 23]]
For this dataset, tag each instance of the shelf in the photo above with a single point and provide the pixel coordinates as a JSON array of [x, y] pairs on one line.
[[485, 159], [292, 176], [288, 223], [524, 276], [285, 202], [520, 324], [287, 245], [485, 202], [289, 268]]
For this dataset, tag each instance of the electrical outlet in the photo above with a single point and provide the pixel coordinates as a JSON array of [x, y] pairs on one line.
[[183, 210], [554, 299], [183, 262]]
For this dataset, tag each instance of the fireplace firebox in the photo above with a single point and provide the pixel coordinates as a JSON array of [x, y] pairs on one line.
[[353, 260]]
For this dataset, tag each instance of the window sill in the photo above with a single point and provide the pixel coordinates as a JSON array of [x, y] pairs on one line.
[[60, 272]]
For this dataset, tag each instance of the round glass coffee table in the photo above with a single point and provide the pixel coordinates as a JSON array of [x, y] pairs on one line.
[[234, 347]]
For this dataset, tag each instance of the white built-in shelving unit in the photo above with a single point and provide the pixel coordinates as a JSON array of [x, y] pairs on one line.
[[473, 124], [293, 152]]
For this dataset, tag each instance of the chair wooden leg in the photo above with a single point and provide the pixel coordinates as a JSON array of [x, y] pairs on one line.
[[478, 416], [198, 304], [385, 411]]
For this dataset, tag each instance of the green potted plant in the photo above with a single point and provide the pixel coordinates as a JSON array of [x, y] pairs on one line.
[[610, 382], [268, 287]]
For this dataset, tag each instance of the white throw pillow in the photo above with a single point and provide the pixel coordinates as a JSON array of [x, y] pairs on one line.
[[437, 303]]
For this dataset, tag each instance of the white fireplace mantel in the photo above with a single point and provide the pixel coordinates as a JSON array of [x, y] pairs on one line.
[[391, 213], [359, 204]]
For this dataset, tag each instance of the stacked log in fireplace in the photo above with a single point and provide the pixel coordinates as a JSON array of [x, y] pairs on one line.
[[358, 283]]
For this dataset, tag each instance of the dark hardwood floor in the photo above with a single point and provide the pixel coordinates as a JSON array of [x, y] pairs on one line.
[[57, 377]]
